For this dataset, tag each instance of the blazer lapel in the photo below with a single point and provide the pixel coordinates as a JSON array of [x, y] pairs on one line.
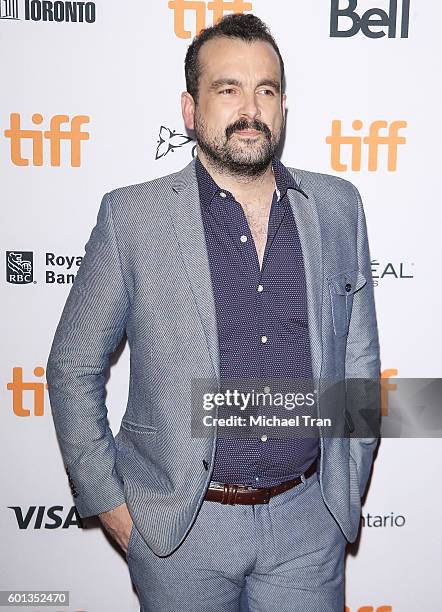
[[307, 222], [184, 203]]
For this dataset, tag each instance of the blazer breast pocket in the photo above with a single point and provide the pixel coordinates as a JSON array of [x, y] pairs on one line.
[[342, 288]]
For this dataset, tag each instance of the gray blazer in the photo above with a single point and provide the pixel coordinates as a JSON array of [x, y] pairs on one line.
[[145, 272]]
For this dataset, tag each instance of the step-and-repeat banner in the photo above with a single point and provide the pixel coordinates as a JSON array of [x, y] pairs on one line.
[[90, 101]]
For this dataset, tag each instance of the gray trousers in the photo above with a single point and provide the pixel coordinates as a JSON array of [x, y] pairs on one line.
[[287, 555]]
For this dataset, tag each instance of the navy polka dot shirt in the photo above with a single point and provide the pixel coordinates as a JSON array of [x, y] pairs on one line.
[[262, 323]]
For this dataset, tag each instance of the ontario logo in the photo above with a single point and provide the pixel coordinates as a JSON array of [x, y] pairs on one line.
[[383, 520], [20, 267], [169, 140]]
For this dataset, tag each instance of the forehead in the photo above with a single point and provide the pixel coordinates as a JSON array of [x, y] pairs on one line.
[[233, 57]]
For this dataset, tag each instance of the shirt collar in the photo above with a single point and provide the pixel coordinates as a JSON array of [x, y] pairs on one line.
[[206, 185], [283, 179], [208, 188]]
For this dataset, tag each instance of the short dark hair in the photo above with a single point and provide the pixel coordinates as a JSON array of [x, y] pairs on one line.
[[246, 27]]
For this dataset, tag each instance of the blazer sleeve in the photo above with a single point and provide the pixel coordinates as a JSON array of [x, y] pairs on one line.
[[91, 326], [362, 360]]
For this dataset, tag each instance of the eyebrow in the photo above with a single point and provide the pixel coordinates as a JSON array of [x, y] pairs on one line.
[[228, 81]]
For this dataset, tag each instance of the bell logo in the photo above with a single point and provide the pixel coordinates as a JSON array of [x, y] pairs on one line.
[[373, 141], [18, 386], [370, 21], [218, 8], [55, 135]]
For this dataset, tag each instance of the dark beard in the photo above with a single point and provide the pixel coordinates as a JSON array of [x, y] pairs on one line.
[[221, 158]]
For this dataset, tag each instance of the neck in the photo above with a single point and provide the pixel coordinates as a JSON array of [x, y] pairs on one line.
[[243, 187]]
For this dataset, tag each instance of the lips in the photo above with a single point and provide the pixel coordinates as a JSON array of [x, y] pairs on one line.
[[248, 132]]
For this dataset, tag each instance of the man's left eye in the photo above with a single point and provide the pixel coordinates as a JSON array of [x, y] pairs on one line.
[[268, 92]]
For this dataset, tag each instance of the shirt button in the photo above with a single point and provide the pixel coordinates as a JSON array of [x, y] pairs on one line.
[[256, 478], [263, 339], [243, 238], [222, 194], [264, 438], [266, 389], [260, 288]]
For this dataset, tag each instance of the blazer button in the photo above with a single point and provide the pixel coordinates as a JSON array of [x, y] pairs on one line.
[[348, 287]]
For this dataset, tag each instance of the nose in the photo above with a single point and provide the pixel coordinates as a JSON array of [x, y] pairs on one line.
[[249, 106]]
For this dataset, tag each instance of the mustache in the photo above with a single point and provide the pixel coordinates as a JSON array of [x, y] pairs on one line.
[[243, 124]]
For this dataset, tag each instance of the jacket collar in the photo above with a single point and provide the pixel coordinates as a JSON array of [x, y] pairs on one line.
[[286, 178]]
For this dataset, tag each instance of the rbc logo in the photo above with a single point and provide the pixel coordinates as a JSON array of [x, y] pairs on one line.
[[372, 23], [19, 267]]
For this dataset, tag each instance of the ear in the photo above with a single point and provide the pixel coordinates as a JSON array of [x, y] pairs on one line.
[[188, 109], [283, 105]]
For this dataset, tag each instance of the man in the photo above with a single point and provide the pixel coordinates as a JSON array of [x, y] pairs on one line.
[[235, 266]]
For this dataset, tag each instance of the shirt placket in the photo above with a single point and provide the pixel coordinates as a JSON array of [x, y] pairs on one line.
[[230, 214], [264, 342], [239, 232]]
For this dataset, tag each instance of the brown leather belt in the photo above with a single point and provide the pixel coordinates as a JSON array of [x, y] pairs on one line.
[[243, 494]]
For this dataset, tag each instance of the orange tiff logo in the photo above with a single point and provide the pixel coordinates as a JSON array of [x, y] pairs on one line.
[[18, 386], [55, 135], [218, 8], [386, 387], [371, 609], [374, 140]]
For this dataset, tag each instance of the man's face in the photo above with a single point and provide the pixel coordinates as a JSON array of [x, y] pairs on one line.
[[239, 116]]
